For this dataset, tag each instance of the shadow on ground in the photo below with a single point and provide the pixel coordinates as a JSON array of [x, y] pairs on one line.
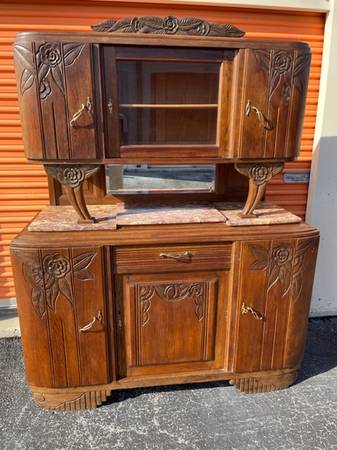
[[203, 416]]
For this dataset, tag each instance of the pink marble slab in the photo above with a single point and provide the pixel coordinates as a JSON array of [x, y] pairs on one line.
[[169, 214], [64, 218], [265, 214]]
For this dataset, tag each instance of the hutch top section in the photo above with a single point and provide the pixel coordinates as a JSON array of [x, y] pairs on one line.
[[124, 97]]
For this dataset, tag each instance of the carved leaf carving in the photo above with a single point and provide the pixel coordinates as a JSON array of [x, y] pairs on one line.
[[83, 261], [301, 71], [303, 248], [26, 81], [261, 254], [58, 78], [71, 52]]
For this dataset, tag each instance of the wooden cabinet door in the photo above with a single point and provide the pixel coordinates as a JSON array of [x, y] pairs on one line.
[[274, 293], [63, 316], [57, 101], [173, 322], [269, 92]]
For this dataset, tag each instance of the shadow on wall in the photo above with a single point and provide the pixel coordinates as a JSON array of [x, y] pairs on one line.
[[322, 213]]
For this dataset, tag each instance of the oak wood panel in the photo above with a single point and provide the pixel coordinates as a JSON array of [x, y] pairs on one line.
[[174, 322], [180, 258]]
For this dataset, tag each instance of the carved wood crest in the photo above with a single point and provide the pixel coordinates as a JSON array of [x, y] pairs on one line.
[[168, 25]]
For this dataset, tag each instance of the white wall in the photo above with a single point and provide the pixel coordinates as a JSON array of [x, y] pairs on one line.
[[322, 200]]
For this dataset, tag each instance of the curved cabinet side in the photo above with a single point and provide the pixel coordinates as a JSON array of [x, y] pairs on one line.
[[56, 92], [269, 93], [64, 318]]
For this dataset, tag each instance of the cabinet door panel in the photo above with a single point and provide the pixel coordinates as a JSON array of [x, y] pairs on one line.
[[275, 281], [269, 92], [55, 82], [59, 292], [174, 322]]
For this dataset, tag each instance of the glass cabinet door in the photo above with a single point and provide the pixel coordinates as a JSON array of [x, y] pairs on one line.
[[167, 103], [164, 103]]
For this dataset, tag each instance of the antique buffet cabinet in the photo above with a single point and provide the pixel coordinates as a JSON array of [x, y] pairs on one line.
[[154, 303]]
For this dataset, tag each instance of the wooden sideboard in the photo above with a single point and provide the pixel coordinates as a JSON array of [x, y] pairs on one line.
[[161, 303]]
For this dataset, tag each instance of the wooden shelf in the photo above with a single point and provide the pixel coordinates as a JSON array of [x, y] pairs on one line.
[[170, 105]]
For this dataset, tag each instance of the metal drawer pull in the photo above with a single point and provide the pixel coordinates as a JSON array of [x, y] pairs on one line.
[[183, 257], [84, 107], [88, 326], [266, 123], [248, 309]]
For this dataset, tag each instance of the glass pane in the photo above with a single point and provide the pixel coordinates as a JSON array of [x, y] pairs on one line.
[[142, 178], [167, 102]]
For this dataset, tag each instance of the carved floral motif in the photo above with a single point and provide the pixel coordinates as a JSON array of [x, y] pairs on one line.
[[71, 175], [171, 292], [48, 65], [283, 68], [50, 276], [286, 265], [168, 25]]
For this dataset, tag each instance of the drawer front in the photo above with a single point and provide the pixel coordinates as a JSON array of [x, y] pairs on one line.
[[172, 258]]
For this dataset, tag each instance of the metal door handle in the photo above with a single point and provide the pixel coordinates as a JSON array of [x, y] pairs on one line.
[[183, 257], [84, 107], [249, 310], [98, 317], [266, 123]]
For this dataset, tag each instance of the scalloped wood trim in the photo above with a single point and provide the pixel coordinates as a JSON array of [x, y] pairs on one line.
[[256, 385], [73, 401]]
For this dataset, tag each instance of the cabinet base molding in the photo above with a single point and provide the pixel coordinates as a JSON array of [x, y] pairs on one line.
[[255, 385], [69, 400], [86, 397]]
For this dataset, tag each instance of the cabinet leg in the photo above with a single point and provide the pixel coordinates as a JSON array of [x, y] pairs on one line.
[[259, 174], [266, 383], [72, 178], [70, 401]]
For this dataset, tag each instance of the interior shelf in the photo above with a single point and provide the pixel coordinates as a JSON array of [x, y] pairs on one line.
[[170, 105]]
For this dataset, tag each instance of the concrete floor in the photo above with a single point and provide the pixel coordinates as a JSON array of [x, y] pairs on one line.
[[204, 416]]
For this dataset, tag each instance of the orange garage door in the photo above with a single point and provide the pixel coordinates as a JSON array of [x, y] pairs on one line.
[[23, 187]]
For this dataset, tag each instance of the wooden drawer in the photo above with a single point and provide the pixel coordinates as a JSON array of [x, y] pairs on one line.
[[172, 258]]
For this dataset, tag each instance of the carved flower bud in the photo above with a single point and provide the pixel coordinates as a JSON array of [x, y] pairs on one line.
[[282, 255], [170, 25], [282, 62], [73, 176], [56, 265], [50, 54]]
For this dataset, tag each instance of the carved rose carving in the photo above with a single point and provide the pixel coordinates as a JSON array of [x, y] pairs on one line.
[[281, 255], [282, 62], [50, 54], [73, 176], [170, 25], [56, 265], [260, 174]]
